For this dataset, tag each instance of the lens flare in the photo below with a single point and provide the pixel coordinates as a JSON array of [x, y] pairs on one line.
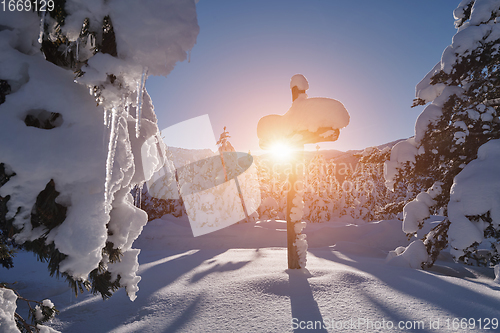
[[281, 151]]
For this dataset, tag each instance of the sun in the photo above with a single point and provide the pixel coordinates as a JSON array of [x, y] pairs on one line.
[[281, 150]]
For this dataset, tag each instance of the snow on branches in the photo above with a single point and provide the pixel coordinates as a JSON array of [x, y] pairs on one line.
[[454, 142], [74, 163]]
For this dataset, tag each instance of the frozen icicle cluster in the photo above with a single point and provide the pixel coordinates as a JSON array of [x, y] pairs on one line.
[[140, 93], [110, 158], [42, 22], [90, 167]]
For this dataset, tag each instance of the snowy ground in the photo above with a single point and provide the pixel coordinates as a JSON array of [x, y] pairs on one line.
[[236, 280]]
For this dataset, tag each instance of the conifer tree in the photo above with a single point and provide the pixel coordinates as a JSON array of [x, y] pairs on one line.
[[90, 56], [47, 212], [273, 183], [234, 165], [164, 195], [464, 92], [321, 190], [367, 192], [40, 312]]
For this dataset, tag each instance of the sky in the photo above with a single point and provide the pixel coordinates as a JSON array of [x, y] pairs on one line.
[[367, 54]]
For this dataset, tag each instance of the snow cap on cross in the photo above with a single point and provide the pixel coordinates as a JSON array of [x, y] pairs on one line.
[[309, 120]]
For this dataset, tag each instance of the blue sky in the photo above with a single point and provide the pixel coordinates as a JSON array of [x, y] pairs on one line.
[[367, 54]]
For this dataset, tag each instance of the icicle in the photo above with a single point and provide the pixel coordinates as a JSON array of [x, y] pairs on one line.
[[113, 138], [42, 28], [138, 194], [138, 107], [77, 49], [107, 118], [127, 104], [91, 39], [67, 49]]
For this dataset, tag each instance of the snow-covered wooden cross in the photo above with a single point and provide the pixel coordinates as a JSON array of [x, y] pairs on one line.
[[309, 120]]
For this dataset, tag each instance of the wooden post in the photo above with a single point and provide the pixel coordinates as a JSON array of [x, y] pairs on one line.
[[293, 256], [265, 131]]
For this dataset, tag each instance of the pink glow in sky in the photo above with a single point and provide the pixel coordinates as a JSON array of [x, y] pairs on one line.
[[367, 54]]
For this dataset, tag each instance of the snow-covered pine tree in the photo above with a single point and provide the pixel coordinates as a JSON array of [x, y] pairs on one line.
[[321, 188], [223, 142], [365, 187], [39, 312], [250, 192], [280, 189], [209, 190], [273, 183], [334, 190], [235, 165], [160, 195], [7, 245], [269, 207], [70, 158], [464, 92], [230, 166], [157, 207], [264, 173], [154, 207], [350, 205], [199, 180], [311, 190]]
